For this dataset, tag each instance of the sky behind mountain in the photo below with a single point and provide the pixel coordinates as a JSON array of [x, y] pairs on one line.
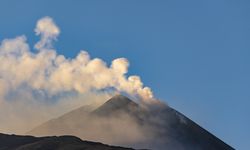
[[193, 54]]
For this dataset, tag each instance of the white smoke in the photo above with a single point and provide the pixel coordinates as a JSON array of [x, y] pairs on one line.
[[33, 77], [48, 31], [53, 73]]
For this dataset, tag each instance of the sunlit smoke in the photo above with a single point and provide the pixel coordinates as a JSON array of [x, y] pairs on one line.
[[48, 30], [41, 78]]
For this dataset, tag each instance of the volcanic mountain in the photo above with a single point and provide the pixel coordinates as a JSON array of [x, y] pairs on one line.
[[121, 121]]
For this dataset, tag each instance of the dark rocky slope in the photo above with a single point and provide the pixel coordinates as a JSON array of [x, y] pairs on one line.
[[15, 142]]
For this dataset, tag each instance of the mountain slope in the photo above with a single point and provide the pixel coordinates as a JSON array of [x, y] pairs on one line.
[[14, 142], [121, 121]]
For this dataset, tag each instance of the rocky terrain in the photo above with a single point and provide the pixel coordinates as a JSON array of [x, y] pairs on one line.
[[15, 142]]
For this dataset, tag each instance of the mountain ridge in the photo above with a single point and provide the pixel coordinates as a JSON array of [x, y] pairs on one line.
[[66, 142]]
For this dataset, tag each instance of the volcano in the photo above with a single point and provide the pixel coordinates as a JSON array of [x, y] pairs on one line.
[[121, 121]]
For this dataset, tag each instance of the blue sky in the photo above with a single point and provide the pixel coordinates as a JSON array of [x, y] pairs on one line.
[[193, 54]]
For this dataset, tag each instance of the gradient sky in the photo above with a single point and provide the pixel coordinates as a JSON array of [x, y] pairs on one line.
[[193, 54]]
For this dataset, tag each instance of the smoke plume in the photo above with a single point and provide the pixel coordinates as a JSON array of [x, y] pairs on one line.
[[36, 85]]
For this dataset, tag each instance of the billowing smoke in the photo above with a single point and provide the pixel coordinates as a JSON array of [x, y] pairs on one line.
[[37, 84], [53, 73]]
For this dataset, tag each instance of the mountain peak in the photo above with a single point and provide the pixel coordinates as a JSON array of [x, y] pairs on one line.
[[117, 103], [120, 99]]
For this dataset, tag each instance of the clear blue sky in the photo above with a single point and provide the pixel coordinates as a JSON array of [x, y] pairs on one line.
[[194, 54]]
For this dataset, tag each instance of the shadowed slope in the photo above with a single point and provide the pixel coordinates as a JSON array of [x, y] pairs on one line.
[[14, 142]]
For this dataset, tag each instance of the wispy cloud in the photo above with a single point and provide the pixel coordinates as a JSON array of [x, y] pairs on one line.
[[48, 31]]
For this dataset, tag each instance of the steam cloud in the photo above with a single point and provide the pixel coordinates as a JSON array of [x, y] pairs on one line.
[[28, 80]]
